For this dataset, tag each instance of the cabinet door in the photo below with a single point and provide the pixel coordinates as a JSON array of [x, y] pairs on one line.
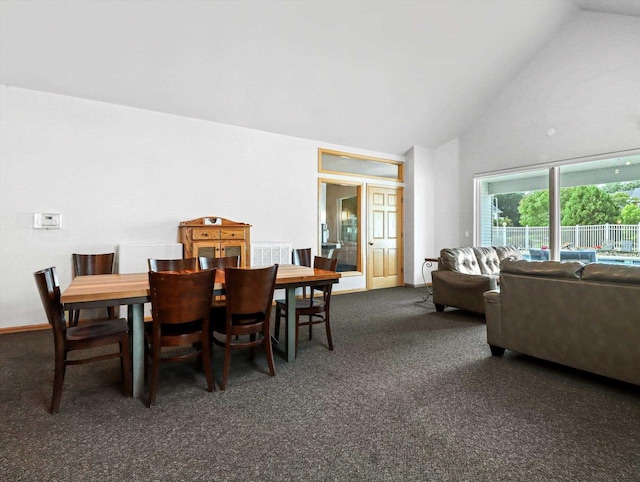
[[210, 249], [233, 248]]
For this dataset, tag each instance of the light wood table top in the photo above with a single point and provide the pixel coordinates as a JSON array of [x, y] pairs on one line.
[[119, 287]]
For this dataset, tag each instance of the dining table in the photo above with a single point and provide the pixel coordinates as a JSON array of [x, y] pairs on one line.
[[132, 290]]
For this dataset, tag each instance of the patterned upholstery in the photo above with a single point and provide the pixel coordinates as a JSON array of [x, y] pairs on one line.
[[488, 260], [464, 274], [462, 260]]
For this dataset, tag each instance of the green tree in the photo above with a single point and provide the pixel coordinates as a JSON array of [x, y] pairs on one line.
[[587, 205], [630, 214], [612, 187], [508, 205], [620, 199], [534, 209]]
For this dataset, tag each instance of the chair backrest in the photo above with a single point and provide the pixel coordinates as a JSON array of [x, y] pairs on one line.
[[88, 264], [49, 289], [329, 264], [301, 257], [249, 294], [206, 262], [181, 297], [173, 264]]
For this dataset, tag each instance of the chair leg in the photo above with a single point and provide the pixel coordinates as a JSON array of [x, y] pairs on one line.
[[111, 312], [276, 329], [297, 334], [252, 350], [327, 323], [269, 350], [125, 363], [227, 362], [74, 316], [58, 381], [205, 357], [155, 374]]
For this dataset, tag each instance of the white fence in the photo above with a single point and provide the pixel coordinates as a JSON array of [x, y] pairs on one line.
[[620, 237]]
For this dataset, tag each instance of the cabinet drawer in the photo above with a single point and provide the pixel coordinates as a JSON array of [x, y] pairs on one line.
[[206, 234], [232, 234]]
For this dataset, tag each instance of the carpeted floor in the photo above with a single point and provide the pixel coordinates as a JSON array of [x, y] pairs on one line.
[[408, 394]]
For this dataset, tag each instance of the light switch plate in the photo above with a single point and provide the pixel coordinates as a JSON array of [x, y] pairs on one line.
[[47, 220]]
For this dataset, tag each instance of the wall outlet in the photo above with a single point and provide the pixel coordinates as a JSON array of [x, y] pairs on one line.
[[47, 221], [466, 234]]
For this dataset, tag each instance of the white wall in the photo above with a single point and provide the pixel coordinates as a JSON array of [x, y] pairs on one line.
[[585, 84], [419, 212], [124, 175], [447, 233]]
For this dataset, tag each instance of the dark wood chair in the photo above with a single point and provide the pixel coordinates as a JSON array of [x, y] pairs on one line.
[[90, 264], [218, 303], [221, 263], [88, 335], [316, 309], [180, 305], [186, 264], [249, 294], [300, 257]]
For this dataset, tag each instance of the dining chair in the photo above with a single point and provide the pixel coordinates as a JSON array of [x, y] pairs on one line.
[[180, 305], [91, 264], [316, 309], [218, 303], [206, 262], [249, 294], [186, 264], [85, 336], [300, 257]]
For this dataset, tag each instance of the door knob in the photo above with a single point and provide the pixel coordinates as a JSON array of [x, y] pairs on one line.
[[370, 243]]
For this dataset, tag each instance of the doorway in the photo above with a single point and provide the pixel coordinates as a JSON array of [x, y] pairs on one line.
[[385, 239], [340, 223]]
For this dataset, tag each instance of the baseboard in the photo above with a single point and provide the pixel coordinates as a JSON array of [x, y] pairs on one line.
[[421, 285], [19, 329]]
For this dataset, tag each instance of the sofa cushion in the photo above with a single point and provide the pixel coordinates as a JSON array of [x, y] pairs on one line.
[[551, 269], [488, 260], [505, 252], [462, 260], [611, 273]]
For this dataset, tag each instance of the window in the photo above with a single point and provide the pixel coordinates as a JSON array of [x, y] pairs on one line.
[[597, 205], [501, 222], [336, 162]]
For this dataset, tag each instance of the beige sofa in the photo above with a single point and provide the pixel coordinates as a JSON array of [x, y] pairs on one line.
[[585, 317], [464, 274]]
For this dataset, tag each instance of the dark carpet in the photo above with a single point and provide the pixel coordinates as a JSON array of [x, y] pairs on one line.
[[407, 394]]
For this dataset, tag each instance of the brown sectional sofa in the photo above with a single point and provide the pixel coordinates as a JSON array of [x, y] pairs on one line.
[[585, 317], [464, 274]]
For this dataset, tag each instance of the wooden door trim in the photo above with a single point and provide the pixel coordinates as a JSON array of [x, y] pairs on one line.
[[400, 221]]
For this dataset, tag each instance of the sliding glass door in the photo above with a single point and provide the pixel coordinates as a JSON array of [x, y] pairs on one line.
[[514, 210], [590, 211]]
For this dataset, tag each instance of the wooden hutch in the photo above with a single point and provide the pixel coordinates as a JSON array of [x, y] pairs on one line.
[[216, 237]]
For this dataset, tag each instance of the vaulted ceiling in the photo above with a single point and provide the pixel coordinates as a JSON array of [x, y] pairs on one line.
[[383, 75]]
